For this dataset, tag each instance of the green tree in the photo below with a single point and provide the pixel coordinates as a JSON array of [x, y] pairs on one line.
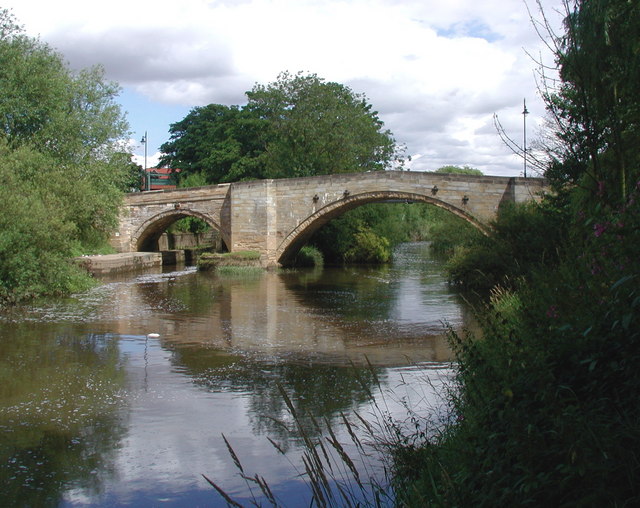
[[222, 143], [596, 106], [62, 162], [464, 170], [546, 403], [299, 125], [319, 128]]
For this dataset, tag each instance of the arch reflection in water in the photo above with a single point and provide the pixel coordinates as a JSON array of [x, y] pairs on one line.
[[387, 313]]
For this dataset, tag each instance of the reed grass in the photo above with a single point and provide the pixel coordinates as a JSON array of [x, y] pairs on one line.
[[357, 471]]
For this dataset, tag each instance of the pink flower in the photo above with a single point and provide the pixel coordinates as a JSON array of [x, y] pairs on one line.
[[600, 228]]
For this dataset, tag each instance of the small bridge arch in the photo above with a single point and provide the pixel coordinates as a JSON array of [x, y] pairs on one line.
[[299, 236], [146, 237]]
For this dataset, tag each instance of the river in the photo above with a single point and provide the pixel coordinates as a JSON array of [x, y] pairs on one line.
[[120, 396]]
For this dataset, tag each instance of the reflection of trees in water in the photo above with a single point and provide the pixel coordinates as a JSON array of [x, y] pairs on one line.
[[413, 286], [193, 293], [59, 399], [316, 390], [350, 293]]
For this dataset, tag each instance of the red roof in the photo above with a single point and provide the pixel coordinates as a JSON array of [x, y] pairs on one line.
[[158, 178]]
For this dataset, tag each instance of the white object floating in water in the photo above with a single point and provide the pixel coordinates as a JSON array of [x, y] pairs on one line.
[[153, 335]]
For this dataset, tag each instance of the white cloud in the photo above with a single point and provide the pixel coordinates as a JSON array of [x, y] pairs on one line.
[[152, 159], [435, 71]]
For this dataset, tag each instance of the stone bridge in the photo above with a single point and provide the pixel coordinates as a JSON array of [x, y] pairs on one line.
[[277, 217]]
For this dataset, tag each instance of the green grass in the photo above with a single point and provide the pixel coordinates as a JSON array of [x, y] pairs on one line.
[[242, 254], [240, 271]]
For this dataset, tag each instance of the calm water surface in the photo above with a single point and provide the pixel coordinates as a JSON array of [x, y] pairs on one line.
[[94, 412]]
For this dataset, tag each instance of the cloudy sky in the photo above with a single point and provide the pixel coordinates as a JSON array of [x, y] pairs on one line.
[[436, 71]]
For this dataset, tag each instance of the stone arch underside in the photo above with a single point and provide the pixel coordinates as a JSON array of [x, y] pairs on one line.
[[149, 232], [300, 234]]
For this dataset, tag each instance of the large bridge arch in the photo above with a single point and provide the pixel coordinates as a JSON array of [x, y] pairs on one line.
[[149, 232], [301, 233]]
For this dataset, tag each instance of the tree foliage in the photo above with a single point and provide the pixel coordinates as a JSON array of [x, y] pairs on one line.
[[298, 125], [596, 105], [62, 165], [221, 143], [546, 406], [460, 170], [319, 128]]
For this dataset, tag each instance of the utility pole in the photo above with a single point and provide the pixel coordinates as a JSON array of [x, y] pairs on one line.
[[525, 112]]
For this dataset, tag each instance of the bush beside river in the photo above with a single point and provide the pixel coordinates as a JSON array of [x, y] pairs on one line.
[[545, 408], [546, 403], [62, 168]]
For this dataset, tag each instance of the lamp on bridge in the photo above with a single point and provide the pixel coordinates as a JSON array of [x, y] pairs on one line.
[[148, 176], [465, 200], [316, 198], [346, 193], [434, 190]]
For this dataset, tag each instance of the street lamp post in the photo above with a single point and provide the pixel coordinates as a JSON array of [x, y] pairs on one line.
[[525, 112], [146, 173]]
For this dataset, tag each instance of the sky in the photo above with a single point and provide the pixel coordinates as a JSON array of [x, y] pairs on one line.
[[435, 71]]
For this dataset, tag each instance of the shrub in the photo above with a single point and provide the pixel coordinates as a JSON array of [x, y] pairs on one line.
[[368, 248], [546, 402], [525, 238], [36, 242], [309, 256], [450, 232]]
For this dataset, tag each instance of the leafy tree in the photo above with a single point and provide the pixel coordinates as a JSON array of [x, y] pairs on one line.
[[192, 180], [134, 174], [464, 170], [546, 403], [62, 164], [299, 125], [319, 128], [222, 143], [596, 106]]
